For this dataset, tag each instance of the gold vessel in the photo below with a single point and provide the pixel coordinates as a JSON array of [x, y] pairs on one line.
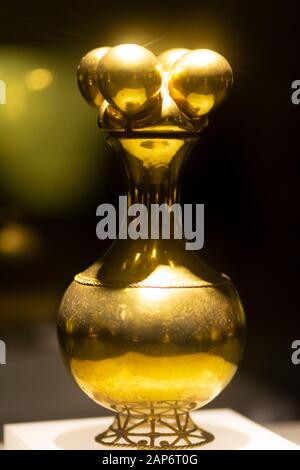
[[150, 331]]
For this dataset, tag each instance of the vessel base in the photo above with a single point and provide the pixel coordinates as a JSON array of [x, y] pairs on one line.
[[170, 428]]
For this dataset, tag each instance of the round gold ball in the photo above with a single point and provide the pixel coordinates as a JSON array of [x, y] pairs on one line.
[[168, 58], [87, 76], [199, 82], [129, 78]]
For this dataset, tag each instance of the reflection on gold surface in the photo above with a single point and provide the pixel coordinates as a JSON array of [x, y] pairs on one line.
[[168, 58], [153, 153], [133, 97], [169, 276], [200, 104], [192, 378], [129, 78], [38, 79], [87, 76], [199, 81], [160, 280]]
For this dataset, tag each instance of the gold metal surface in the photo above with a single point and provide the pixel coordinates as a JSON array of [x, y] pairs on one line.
[[168, 58], [87, 76], [129, 77], [165, 426], [135, 91], [199, 82], [150, 325]]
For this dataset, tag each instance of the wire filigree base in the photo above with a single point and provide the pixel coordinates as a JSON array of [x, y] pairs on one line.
[[167, 426]]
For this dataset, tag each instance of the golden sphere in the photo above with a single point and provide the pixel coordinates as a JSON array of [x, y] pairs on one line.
[[129, 77], [87, 76], [168, 58], [199, 82]]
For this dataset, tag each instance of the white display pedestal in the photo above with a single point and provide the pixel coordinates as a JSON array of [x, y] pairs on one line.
[[231, 430]]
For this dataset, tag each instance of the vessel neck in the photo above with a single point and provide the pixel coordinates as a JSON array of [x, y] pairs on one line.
[[153, 167]]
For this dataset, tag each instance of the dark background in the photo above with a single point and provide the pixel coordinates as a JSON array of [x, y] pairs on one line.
[[245, 171]]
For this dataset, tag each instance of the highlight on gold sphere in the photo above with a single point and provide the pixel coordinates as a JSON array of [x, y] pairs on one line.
[[87, 76], [129, 78], [168, 58], [199, 81]]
